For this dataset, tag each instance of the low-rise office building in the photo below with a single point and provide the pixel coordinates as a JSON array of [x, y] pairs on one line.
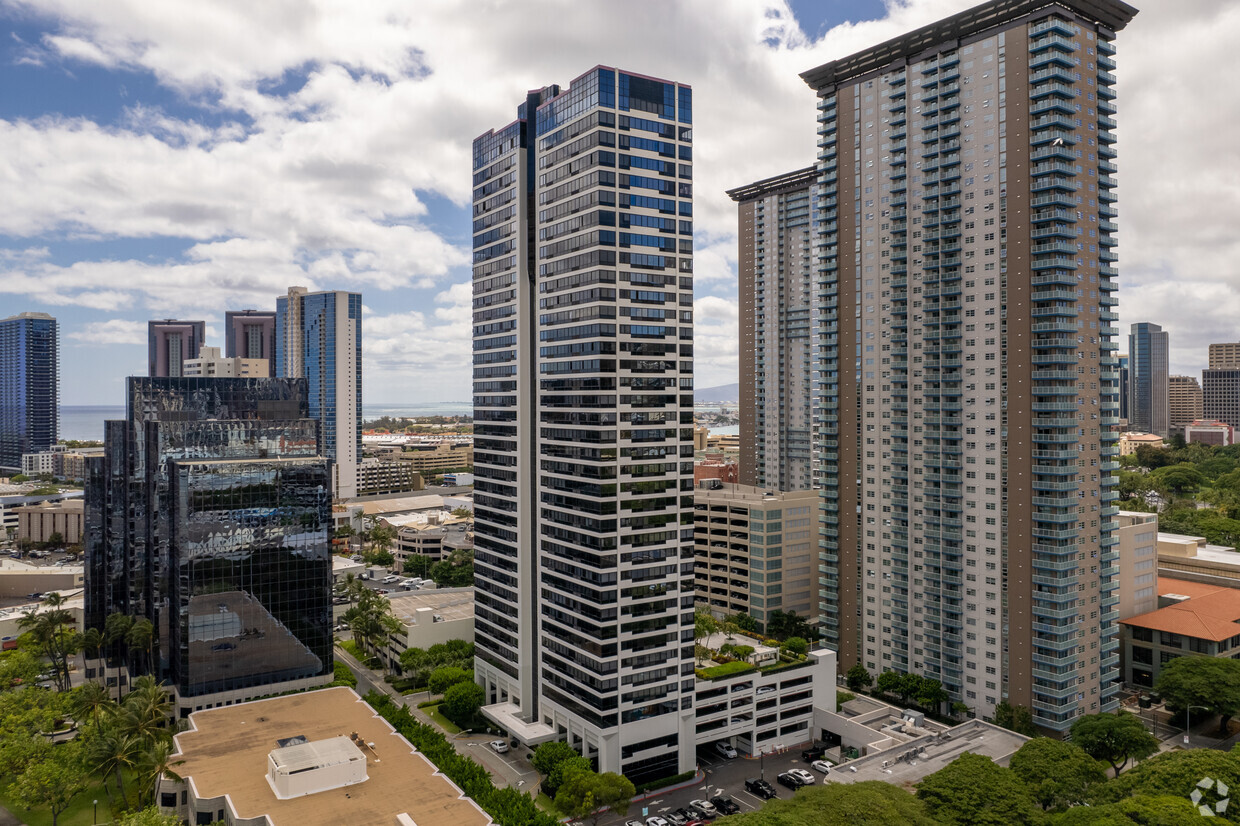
[[316, 757], [39, 523], [1194, 559], [434, 535], [430, 459], [755, 550], [10, 503], [383, 476], [1194, 620], [428, 618], [1210, 433], [211, 363], [1129, 442]]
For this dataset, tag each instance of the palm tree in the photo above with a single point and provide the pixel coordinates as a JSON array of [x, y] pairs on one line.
[[146, 711], [111, 753], [139, 638], [154, 763], [89, 700], [91, 641], [51, 628], [115, 629]]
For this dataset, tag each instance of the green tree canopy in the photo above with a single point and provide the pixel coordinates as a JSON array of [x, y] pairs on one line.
[[1016, 718], [445, 677], [1175, 774], [1210, 682], [462, 701], [868, 803], [587, 795], [858, 677], [1142, 810], [548, 755], [1115, 738], [1058, 774], [566, 768], [52, 782], [973, 790], [150, 816]]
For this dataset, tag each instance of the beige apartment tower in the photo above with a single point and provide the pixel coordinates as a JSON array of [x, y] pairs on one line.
[[776, 287], [1184, 401], [754, 550], [966, 378]]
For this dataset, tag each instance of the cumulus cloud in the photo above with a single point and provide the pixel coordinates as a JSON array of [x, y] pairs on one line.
[[112, 331], [318, 136]]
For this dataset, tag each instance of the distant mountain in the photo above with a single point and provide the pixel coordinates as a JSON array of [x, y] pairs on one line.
[[722, 393]]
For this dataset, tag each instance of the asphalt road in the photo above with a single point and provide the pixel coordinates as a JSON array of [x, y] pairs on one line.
[[721, 774]]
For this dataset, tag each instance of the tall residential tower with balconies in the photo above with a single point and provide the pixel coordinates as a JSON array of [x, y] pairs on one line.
[[776, 280], [966, 384], [583, 408]]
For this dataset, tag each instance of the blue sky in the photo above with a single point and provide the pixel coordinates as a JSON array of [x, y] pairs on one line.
[[179, 159]]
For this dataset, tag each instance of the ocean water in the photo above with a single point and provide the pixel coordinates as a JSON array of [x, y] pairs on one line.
[[85, 422]]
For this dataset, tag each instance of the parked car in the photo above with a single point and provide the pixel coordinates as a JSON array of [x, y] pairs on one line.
[[633, 823], [390, 578], [655, 820], [763, 690], [500, 746], [706, 808], [725, 804], [805, 777], [725, 750], [679, 817], [821, 765], [790, 780], [761, 788], [814, 752]]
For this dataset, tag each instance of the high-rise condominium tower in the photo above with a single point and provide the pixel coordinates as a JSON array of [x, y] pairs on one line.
[[1220, 384], [170, 343], [583, 407], [1148, 354], [776, 289], [251, 334], [29, 386], [966, 372], [319, 338]]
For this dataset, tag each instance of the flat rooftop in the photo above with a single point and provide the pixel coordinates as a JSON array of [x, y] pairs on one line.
[[449, 603], [907, 764], [225, 753]]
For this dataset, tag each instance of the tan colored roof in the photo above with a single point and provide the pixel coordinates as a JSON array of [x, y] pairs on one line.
[[225, 753], [1207, 616], [1184, 587]]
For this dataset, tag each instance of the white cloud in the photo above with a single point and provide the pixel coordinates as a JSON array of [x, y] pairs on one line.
[[328, 183], [113, 331]]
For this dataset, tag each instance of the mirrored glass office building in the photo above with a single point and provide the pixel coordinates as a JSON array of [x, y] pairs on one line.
[[208, 514]]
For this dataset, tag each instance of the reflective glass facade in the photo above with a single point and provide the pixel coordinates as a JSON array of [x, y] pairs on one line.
[[1148, 354], [209, 515], [319, 338], [29, 386], [583, 400]]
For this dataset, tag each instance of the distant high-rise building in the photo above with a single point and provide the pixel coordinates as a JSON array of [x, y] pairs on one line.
[[776, 289], [1148, 353], [583, 409], [1184, 401], [1220, 394], [29, 386], [965, 371], [1226, 355], [251, 334], [208, 515], [1123, 387], [170, 343], [319, 338]]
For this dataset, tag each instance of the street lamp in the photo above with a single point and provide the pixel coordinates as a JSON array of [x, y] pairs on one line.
[[95, 817], [1188, 720]]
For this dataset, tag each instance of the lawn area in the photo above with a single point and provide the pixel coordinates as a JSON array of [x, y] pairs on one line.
[[545, 803], [359, 654], [443, 722], [79, 813]]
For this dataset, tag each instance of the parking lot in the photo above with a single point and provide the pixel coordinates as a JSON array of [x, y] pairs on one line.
[[722, 775]]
